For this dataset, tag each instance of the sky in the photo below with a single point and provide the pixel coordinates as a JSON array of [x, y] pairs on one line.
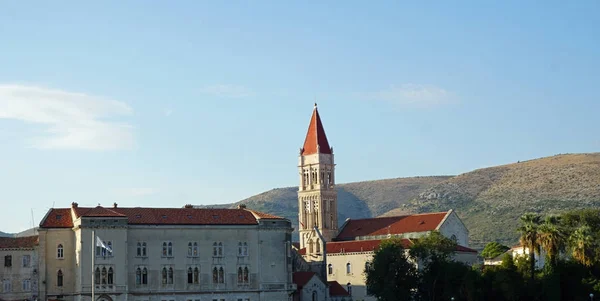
[[162, 104]]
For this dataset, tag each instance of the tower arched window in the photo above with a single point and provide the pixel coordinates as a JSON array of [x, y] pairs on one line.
[[110, 278], [190, 276], [170, 279], [60, 251], [59, 278], [97, 276], [221, 275], [145, 276], [196, 275], [318, 246], [310, 246], [138, 276], [104, 274]]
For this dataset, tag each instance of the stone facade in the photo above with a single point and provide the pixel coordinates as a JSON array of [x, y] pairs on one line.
[[19, 268], [172, 260]]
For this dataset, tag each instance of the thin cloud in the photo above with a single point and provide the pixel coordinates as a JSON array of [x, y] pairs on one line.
[[74, 121], [168, 112], [413, 95], [226, 91]]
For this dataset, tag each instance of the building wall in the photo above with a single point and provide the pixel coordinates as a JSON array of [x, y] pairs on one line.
[[312, 286], [454, 226], [356, 277], [519, 252], [16, 274], [51, 264], [268, 262]]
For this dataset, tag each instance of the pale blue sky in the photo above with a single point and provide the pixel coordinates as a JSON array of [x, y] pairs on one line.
[[150, 103]]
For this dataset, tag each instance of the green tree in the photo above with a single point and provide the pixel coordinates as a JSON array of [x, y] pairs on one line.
[[552, 239], [529, 237], [582, 245], [434, 246], [390, 275], [493, 249]]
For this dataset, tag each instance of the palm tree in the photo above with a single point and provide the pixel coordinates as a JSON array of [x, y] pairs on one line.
[[582, 245], [529, 237], [552, 238]]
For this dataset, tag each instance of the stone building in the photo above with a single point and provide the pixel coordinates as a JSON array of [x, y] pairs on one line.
[[341, 254], [164, 254], [19, 270], [311, 287]]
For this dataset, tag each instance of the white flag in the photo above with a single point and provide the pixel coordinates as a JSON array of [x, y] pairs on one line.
[[100, 243]]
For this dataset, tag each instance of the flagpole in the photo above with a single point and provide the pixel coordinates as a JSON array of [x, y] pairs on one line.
[[93, 244]]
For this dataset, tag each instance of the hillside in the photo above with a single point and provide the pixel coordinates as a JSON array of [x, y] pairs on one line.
[[489, 200], [3, 234]]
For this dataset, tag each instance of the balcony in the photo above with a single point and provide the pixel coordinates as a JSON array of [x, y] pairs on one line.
[[104, 288]]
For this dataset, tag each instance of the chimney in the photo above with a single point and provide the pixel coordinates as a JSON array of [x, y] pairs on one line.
[[242, 206], [115, 205], [74, 205], [188, 206]]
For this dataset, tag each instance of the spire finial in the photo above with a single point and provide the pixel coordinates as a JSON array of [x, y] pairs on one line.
[[315, 105]]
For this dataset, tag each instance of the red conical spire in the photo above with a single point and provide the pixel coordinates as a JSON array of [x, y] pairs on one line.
[[316, 141]]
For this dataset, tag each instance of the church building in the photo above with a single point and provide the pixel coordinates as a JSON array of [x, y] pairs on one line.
[[340, 255]]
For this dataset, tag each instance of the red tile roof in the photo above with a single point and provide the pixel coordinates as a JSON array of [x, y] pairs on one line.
[[302, 278], [335, 289], [316, 140], [57, 218], [27, 242], [390, 225], [158, 216]]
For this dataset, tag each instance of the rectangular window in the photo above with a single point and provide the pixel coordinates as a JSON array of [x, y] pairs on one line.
[[217, 249], [26, 285], [26, 261], [242, 249], [6, 285], [8, 260]]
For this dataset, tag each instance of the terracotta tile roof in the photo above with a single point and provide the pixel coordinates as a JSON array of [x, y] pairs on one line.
[[57, 218], [264, 215], [302, 278], [316, 140], [158, 216], [336, 289], [18, 242], [98, 211], [302, 251], [390, 225]]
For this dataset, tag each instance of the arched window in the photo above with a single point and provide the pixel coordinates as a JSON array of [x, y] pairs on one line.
[[138, 276], [60, 252], [246, 275], [144, 249], [220, 249], [190, 249], [139, 249], [315, 297], [164, 276], [221, 275], [190, 276], [170, 249], [453, 237], [170, 276], [348, 268], [195, 251], [59, 278], [164, 249], [310, 246], [104, 274], [318, 246], [110, 276], [217, 249], [145, 276], [215, 275], [97, 276], [330, 269], [349, 286], [240, 275], [196, 275]]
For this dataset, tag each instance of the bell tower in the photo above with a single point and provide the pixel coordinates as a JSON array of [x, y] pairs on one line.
[[317, 196]]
